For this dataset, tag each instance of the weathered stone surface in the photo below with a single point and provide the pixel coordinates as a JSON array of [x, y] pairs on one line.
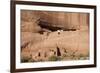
[[51, 19], [69, 40]]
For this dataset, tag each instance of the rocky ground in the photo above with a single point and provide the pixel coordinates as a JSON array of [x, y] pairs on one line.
[[67, 45]]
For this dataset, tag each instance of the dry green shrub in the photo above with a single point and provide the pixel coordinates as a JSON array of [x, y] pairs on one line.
[[54, 58], [25, 59]]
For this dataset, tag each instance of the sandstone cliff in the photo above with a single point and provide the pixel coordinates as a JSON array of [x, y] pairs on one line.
[[51, 35]]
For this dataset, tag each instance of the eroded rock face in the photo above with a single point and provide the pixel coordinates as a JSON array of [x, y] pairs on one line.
[[42, 44], [30, 27], [62, 20]]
